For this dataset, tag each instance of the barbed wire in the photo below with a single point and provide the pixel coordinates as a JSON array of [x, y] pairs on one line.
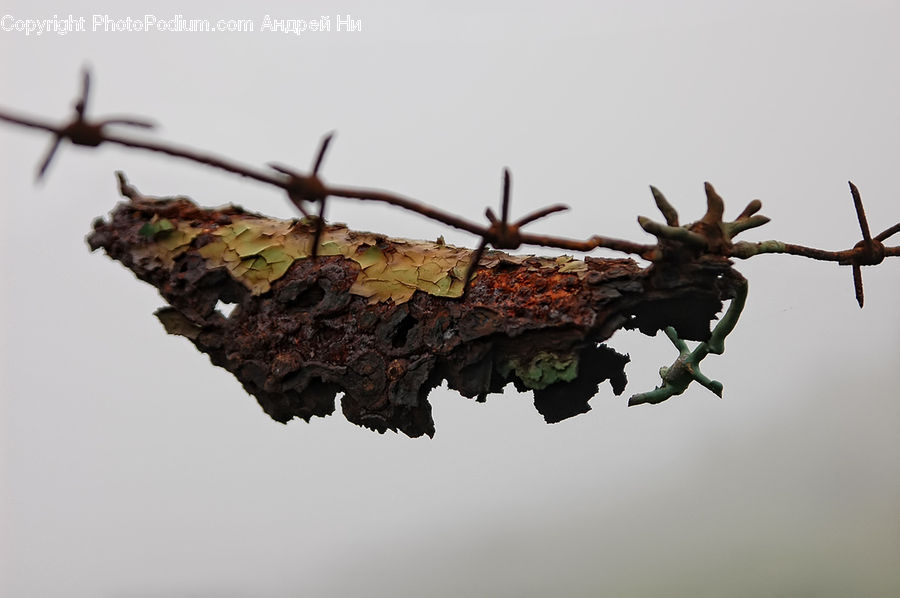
[[709, 236]]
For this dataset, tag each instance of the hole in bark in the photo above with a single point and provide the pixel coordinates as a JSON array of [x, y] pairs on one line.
[[225, 307], [402, 331], [310, 297]]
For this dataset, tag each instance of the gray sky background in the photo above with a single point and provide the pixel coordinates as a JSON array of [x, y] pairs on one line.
[[116, 482]]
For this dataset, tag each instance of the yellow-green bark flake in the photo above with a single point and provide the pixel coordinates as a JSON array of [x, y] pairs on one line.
[[167, 240], [257, 252]]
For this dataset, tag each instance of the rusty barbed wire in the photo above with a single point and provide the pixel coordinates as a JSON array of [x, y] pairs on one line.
[[870, 251], [501, 234], [709, 236], [309, 188], [81, 132]]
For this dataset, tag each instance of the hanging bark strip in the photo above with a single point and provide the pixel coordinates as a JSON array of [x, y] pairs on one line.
[[381, 320]]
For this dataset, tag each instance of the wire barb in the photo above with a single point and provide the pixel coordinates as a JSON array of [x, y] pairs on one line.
[[81, 132], [302, 189], [868, 252], [501, 234]]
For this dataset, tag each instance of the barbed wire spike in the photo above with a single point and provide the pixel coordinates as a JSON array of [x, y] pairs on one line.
[[868, 252], [501, 234], [79, 131], [308, 188], [320, 221]]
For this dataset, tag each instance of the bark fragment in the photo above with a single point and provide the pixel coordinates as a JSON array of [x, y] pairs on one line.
[[377, 320]]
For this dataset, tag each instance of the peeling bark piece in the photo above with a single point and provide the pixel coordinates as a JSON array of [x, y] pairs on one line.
[[381, 320]]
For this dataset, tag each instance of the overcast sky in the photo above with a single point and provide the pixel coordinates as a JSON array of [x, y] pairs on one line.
[[117, 481]]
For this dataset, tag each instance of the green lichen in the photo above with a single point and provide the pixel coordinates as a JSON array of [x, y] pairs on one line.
[[686, 368], [166, 240], [543, 369], [745, 250], [156, 226]]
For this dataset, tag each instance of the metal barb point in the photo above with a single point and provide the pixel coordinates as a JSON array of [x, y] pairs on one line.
[[869, 251], [81, 103], [504, 201], [302, 189], [501, 234], [320, 221], [860, 212], [79, 131], [323, 147], [858, 284]]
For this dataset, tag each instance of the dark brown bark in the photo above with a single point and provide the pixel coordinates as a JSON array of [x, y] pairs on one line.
[[539, 323]]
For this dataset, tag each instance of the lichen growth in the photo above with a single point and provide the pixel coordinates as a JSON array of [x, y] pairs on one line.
[[156, 226], [258, 251], [543, 369], [166, 240], [255, 252]]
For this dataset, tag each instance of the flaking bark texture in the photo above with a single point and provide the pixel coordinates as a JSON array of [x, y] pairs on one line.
[[307, 328]]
